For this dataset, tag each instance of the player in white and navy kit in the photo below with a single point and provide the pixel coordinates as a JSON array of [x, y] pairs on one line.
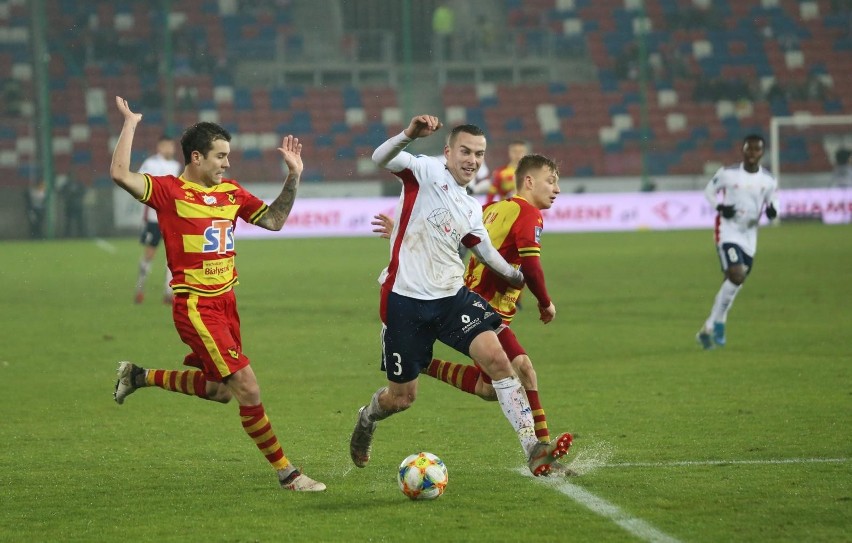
[[423, 297], [748, 190], [161, 163]]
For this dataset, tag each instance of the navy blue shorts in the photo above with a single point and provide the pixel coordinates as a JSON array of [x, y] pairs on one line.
[[150, 234], [412, 326], [731, 254]]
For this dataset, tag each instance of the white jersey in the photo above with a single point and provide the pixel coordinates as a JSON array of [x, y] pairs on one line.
[[435, 214], [158, 165], [749, 193]]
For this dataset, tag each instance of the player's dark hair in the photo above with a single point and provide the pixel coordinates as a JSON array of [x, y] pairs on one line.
[[533, 162], [200, 137], [471, 129], [754, 137]]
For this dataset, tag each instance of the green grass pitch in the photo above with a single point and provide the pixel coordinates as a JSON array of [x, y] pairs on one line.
[[746, 443]]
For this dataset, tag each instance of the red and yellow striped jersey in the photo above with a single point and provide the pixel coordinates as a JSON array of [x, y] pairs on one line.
[[198, 226], [514, 226], [502, 185]]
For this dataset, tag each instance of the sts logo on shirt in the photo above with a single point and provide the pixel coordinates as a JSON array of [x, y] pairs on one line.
[[219, 237]]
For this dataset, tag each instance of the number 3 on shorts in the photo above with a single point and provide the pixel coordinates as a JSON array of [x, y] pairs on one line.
[[397, 364], [733, 256]]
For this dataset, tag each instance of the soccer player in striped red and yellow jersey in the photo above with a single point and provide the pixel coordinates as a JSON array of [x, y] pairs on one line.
[[503, 182], [514, 227], [197, 213]]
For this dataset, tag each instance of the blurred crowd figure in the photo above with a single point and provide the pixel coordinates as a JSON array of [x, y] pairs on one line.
[[36, 201], [443, 32], [73, 194], [842, 176]]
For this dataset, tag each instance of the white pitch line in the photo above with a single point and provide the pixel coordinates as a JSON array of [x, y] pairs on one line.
[[635, 526], [724, 462], [105, 245]]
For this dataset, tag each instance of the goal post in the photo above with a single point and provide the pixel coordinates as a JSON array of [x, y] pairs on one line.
[[803, 121]]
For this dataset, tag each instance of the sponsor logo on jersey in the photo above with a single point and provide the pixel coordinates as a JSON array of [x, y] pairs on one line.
[[442, 220], [209, 199], [219, 237], [215, 268], [479, 304], [538, 234]]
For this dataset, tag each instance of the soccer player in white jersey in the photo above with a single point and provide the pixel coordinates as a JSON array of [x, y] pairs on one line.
[[160, 163], [748, 190], [423, 297]]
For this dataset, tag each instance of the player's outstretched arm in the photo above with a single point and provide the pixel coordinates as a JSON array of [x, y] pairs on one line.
[[279, 210], [119, 169], [488, 255], [390, 155]]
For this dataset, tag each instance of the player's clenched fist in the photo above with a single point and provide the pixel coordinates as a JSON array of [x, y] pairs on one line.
[[422, 126]]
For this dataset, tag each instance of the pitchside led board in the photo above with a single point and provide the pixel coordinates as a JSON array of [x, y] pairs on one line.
[[334, 217]]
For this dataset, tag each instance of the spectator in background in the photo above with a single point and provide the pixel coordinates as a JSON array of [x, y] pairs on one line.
[[73, 195], [443, 27], [13, 97], [152, 98], [776, 93], [36, 199], [842, 176], [187, 96]]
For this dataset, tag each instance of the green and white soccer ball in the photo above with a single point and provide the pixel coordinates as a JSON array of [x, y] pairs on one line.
[[422, 476]]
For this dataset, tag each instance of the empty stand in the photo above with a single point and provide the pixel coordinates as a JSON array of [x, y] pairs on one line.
[[711, 76]]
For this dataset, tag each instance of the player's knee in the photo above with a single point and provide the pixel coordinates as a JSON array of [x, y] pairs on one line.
[[402, 401], [737, 276], [496, 361], [524, 370]]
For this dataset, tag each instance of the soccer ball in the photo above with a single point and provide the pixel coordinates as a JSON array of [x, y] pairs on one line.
[[422, 476]]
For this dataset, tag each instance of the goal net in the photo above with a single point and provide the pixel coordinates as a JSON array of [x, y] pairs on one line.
[[804, 149]]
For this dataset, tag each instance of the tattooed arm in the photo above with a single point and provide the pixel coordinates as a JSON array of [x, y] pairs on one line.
[[276, 215]]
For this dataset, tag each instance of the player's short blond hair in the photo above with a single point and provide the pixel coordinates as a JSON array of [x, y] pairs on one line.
[[533, 162]]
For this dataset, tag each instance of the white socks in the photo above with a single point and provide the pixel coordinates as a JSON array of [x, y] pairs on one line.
[[722, 304], [517, 409], [144, 270]]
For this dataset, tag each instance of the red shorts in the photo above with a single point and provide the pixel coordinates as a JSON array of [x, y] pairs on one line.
[[211, 328], [510, 344]]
